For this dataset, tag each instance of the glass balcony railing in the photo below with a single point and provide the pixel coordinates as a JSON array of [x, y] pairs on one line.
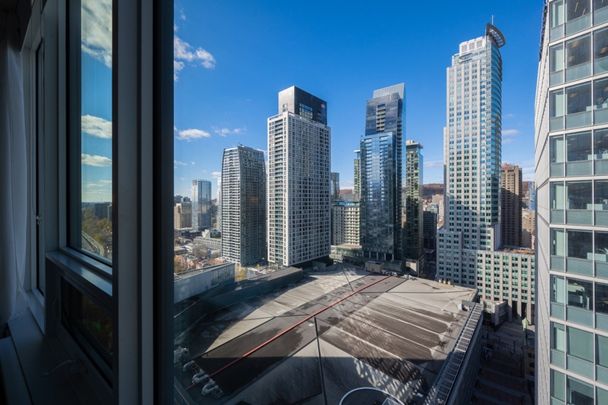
[[556, 123], [578, 72], [580, 366], [579, 119], [558, 358], [557, 217], [556, 78], [600, 65], [579, 217], [579, 168], [601, 215], [578, 24], [557, 263], [580, 266], [601, 165], [601, 374], [601, 321], [557, 170], [557, 310], [600, 16], [600, 115], [556, 32], [580, 316], [601, 266]]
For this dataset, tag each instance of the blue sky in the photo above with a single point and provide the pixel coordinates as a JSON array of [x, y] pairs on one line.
[[232, 57]]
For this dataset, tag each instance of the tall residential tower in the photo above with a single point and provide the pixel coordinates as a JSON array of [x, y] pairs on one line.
[[381, 174], [571, 138], [413, 232], [299, 227], [510, 205], [201, 204], [243, 194]]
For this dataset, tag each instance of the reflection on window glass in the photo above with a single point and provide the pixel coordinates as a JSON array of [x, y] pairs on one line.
[[580, 244], [89, 323], [579, 146], [577, 9], [580, 294], [600, 144], [601, 298], [96, 127]]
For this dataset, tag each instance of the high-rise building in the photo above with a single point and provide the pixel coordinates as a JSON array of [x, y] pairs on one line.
[[201, 204], [357, 171], [299, 208], [472, 153], [572, 204], [345, 223], [381, 174], [469, 249], [335, 186], [182, 215], [510, 205], [413, 232], [244, 205], [528, 228]]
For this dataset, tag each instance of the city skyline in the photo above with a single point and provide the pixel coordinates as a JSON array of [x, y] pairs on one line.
[[229, 119]]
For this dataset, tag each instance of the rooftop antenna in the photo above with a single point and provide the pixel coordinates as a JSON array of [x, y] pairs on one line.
[[492, 19]]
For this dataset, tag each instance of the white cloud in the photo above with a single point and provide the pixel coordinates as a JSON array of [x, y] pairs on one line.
[[182, 15], [228, 131], [96, 191], [431, 164], [510, 132], [96, 23], [216, 174], [184, 53], [96, 126], [179, 163], [95, 160], [192, 133]]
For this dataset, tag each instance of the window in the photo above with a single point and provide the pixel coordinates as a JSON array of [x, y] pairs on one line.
[[91, 118], [556, 109], [579, 154], [558, 155], [556, 64], [557, 16], [600, 51], [558, 203], [601, 203], [578, 16], [578, 58], [580, 252], [558, 246], [578, 392], [558, 385], [602, 350], [579, 202], [558, 296], [578, 106], [558, 344], [580, 302]]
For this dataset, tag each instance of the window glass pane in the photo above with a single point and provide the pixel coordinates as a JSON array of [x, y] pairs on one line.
[[96, 127], [602, 350], [557, 149], [579, 146], [579, 98], [558, 382], [600, 144], [580, 343], [600, 94], [598, 4], [577, 9], [556, 58], [601, 195], [579, 195], [579, 393], [558, 242], [601, 298], [580, 244], [558, 285], [578, 51], [580, 294], [557, 13], [557, 103], [600, 44], [558, 337], [558, 196]]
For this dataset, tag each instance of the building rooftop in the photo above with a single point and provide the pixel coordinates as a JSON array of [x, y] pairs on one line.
[[316, 336]]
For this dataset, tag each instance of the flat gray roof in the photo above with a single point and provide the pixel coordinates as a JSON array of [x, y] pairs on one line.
[[313, 341]]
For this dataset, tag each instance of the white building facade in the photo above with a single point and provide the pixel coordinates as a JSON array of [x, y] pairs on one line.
[[299, 228]]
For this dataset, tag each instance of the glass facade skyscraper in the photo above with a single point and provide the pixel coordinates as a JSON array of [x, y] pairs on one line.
[[381, 174], [571, 125], [201, 204], [413, 232]]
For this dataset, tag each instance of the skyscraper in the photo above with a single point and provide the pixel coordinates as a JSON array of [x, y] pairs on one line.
[[381, 174], [335, 186], [472, 153], [298, 179], [182, 214], [345, 223], [201, 204], [510, 205], [413, 232], [243, 194], [572, 204], [357, 171]]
